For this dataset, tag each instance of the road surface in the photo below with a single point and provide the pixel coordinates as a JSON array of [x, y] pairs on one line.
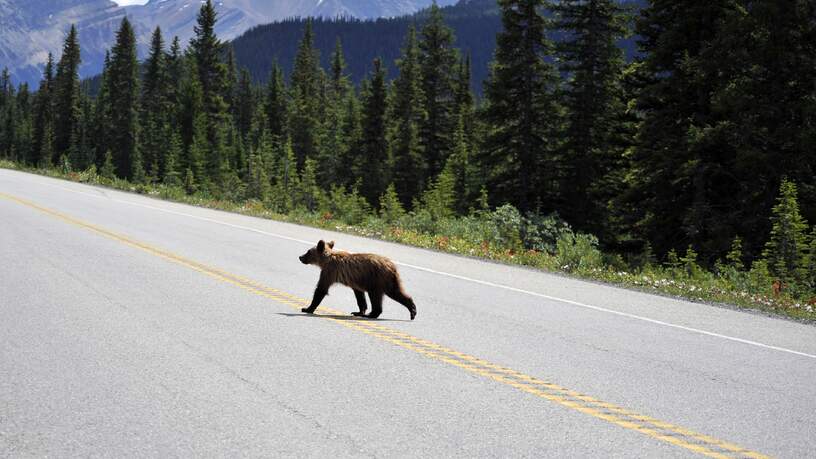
[[135, 327]]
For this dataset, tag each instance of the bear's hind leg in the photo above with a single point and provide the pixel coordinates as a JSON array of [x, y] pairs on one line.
[[376, 298], [398, 295], [361, 303]]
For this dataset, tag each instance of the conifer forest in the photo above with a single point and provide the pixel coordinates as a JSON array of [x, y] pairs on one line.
[[697, 154]]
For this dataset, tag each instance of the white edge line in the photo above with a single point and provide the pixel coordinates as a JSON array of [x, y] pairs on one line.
[[464, 278]]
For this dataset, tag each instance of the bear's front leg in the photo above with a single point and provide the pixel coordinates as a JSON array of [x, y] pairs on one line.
[[361, 303], [319, 294]]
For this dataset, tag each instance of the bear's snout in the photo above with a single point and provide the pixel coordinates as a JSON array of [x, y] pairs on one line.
[[302, 259]]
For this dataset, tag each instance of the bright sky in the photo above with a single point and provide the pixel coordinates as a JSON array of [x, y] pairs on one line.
[[130, 2]]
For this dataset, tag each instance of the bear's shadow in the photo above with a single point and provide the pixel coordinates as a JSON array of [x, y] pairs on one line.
[[338, 317]]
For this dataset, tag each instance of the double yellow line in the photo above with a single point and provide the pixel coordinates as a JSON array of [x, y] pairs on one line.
[[654, 428]]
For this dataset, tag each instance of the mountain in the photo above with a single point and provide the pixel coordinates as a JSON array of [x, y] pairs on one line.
[[177, 17], [29, 29], [475, 24]]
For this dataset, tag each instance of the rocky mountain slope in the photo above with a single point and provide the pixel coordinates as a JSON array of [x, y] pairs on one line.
[[30, 29]]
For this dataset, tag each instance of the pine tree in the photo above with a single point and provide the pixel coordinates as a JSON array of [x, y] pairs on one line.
[[84, 155], [124, 97], [276, 105], [172, 174], [44, 115], [681, 184], [339, 79], [786, 250], [440, 199], [156, 106], [245, 104], [351, 133], [66, 93], [595, 105], [373, 142], [391, 209], [102, 114], [333, 143], [409, 167], [438, 58], [175, 73], [193, 125], [231, 83], [306, 87], [108, 170], [522, 114], [207, 49], [308, 192], [762, 125], [258, 186], [461, 165]]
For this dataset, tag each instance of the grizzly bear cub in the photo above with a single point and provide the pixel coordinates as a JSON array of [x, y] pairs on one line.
[[363, 272]]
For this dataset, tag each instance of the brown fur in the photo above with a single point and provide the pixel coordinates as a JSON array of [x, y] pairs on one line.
[[363, 272]]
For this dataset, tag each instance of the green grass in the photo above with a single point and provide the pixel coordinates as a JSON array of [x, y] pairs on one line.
[[495, 236]]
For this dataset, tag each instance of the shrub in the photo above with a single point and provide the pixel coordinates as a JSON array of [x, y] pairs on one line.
[[391, 208], [786, 248], [349, 207], [507, 225], [542, 232], [578, 253]]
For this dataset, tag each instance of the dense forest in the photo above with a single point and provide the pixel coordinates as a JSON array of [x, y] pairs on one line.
[[703, 144], [475, 24]]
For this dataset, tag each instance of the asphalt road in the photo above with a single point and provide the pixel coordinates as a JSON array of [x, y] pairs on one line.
[[133, 327]]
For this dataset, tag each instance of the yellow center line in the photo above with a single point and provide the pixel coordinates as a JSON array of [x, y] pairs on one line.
[[609, 412]]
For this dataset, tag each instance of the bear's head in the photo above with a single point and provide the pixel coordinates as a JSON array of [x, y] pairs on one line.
[[317, 255]]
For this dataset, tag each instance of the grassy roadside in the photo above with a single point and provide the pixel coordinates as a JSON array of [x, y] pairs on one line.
[[497, 235]]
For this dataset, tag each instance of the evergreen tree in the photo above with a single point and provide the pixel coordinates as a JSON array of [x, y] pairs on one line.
[[467, 183], [522, 114], [682, 186], [339, 79], [595, 105], [761, 65], [231, 87], [193, 126], [408, 115], [102, 112], [245, 104], [276, 105], [258, 186], [124, 96], [438, 58], [83, 155], [373, 142], [351, 133], [207, 49], [43, 115], [172, 173], [156, 106], [787, 250], [66, 93], [333, 143], [391, 209], [175, 73], [306, 86]]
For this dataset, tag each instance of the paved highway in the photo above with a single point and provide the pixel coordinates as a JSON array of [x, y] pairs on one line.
[[133, 327]]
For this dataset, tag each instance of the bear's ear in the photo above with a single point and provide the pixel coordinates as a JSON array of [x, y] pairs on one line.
[[321, 246], [331, 244]]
